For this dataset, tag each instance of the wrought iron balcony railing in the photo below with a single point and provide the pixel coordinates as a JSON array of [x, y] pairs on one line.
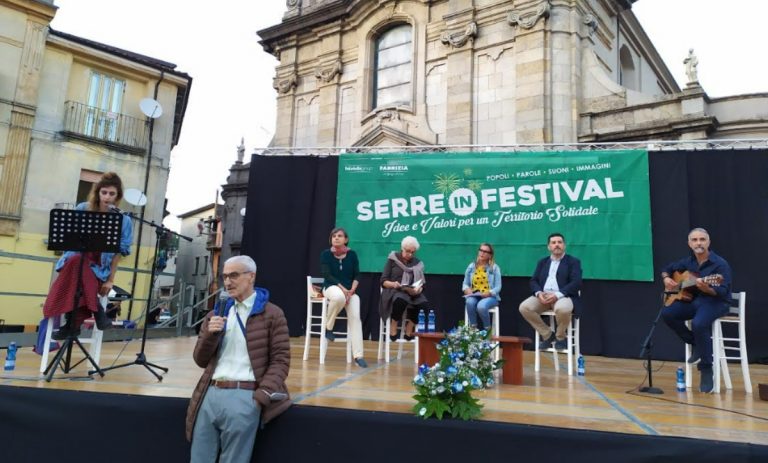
[[112, 129]]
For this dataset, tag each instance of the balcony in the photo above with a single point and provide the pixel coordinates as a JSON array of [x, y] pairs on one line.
[[115, 130]]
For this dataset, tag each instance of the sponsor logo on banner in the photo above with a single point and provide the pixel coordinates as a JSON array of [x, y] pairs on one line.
[[393, 169], [357, 169]]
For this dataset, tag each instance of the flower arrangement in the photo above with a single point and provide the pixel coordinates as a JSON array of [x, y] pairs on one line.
[[466, 364]]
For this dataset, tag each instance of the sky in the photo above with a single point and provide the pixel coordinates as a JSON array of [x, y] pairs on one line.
[[232, 95]]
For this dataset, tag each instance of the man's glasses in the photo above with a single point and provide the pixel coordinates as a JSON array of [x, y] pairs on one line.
[[233, 275], [485, 251]]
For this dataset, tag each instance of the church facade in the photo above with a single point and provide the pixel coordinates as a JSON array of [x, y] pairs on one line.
[[484, 72]]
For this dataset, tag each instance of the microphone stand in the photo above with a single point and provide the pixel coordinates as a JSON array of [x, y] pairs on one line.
[[141, 358], [646, 351]]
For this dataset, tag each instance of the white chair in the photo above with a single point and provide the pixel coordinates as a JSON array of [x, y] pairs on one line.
[[94, 340], [573, 351], [385, 341], [316, 323], [495, 329], [736, 315]]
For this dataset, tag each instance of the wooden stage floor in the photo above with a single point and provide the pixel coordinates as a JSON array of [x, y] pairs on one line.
[[598, 401]]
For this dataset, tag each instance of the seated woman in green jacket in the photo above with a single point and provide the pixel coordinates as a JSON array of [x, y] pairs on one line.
[[340, 268]]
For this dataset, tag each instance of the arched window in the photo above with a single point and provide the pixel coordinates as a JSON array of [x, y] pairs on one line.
[[394, 69], [627, 76]]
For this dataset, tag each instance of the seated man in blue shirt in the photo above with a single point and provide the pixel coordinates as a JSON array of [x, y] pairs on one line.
[[708, 301]]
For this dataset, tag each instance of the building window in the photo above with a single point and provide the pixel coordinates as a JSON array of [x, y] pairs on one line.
[[627, 74], [87, 179], [205, 266], [394, 67], [197, 265], [105, 100]]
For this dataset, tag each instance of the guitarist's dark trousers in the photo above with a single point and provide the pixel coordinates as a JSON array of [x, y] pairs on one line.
[[702, 311]]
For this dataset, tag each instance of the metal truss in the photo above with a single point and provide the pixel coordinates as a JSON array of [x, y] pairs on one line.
[[651, 145]]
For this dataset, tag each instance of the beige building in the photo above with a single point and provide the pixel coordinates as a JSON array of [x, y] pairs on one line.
[[69, 111], [485, 72], [197, 262]]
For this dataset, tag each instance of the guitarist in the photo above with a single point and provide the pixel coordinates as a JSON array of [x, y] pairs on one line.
[[709, 302]]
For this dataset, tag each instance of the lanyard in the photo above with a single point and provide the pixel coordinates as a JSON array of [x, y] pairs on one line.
[[239, 320]]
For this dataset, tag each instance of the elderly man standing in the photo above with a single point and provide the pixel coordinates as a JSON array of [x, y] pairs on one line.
[[245, 351]]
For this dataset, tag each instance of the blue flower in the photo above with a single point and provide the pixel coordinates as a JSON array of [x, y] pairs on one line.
[[476, 383], [423, 368], [418, 380], [457, 387], [451, 370], [483, 333]]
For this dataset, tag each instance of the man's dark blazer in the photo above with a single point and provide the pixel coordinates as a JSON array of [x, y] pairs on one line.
[[568, 279]]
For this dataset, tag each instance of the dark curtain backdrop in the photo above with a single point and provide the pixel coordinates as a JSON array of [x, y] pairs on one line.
[[292, 206]]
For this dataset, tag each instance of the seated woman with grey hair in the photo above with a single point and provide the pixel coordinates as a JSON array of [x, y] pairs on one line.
[[402, 283]]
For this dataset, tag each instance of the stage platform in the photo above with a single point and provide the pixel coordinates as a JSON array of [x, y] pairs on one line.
[[601, 401]]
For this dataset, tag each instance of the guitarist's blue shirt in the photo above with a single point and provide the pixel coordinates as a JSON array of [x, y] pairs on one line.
[[713, 265]]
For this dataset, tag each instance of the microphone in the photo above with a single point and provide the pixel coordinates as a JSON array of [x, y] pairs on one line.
[[116, 209]]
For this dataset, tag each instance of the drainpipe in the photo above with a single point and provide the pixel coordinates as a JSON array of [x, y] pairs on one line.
[[141, 214]]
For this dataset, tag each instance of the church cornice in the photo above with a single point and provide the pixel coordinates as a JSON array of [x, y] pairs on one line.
[[331, 11]]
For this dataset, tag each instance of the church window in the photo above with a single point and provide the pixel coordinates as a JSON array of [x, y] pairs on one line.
[[394, 67]]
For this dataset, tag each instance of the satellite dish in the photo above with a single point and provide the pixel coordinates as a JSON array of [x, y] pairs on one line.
[[134, 197], [151, 108], [242, 212]]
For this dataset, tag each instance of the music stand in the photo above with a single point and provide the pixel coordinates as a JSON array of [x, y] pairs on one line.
[[80, 231]]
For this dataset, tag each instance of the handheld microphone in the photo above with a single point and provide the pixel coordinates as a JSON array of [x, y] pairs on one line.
[[114, 208]]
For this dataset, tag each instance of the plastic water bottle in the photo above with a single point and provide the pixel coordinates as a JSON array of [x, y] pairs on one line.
[[431, 321], [580, 368], [10, 357], [680, 379], [420, 326]]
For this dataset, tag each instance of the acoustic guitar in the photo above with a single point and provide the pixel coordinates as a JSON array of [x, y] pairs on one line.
[[686, 286]]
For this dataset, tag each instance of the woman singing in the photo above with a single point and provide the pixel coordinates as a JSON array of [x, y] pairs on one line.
[[99, 268], [482, 285], [399, 293], [340, 269]]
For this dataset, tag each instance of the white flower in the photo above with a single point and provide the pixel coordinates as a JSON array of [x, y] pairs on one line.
[[422, 411]]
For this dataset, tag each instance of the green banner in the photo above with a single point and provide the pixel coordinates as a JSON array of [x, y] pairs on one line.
[[451, 202]]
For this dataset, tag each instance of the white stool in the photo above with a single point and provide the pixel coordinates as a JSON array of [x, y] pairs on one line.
[[495, 328], [736, 314], [94, 340], [315, 324], [573, 351], [384, 340]]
